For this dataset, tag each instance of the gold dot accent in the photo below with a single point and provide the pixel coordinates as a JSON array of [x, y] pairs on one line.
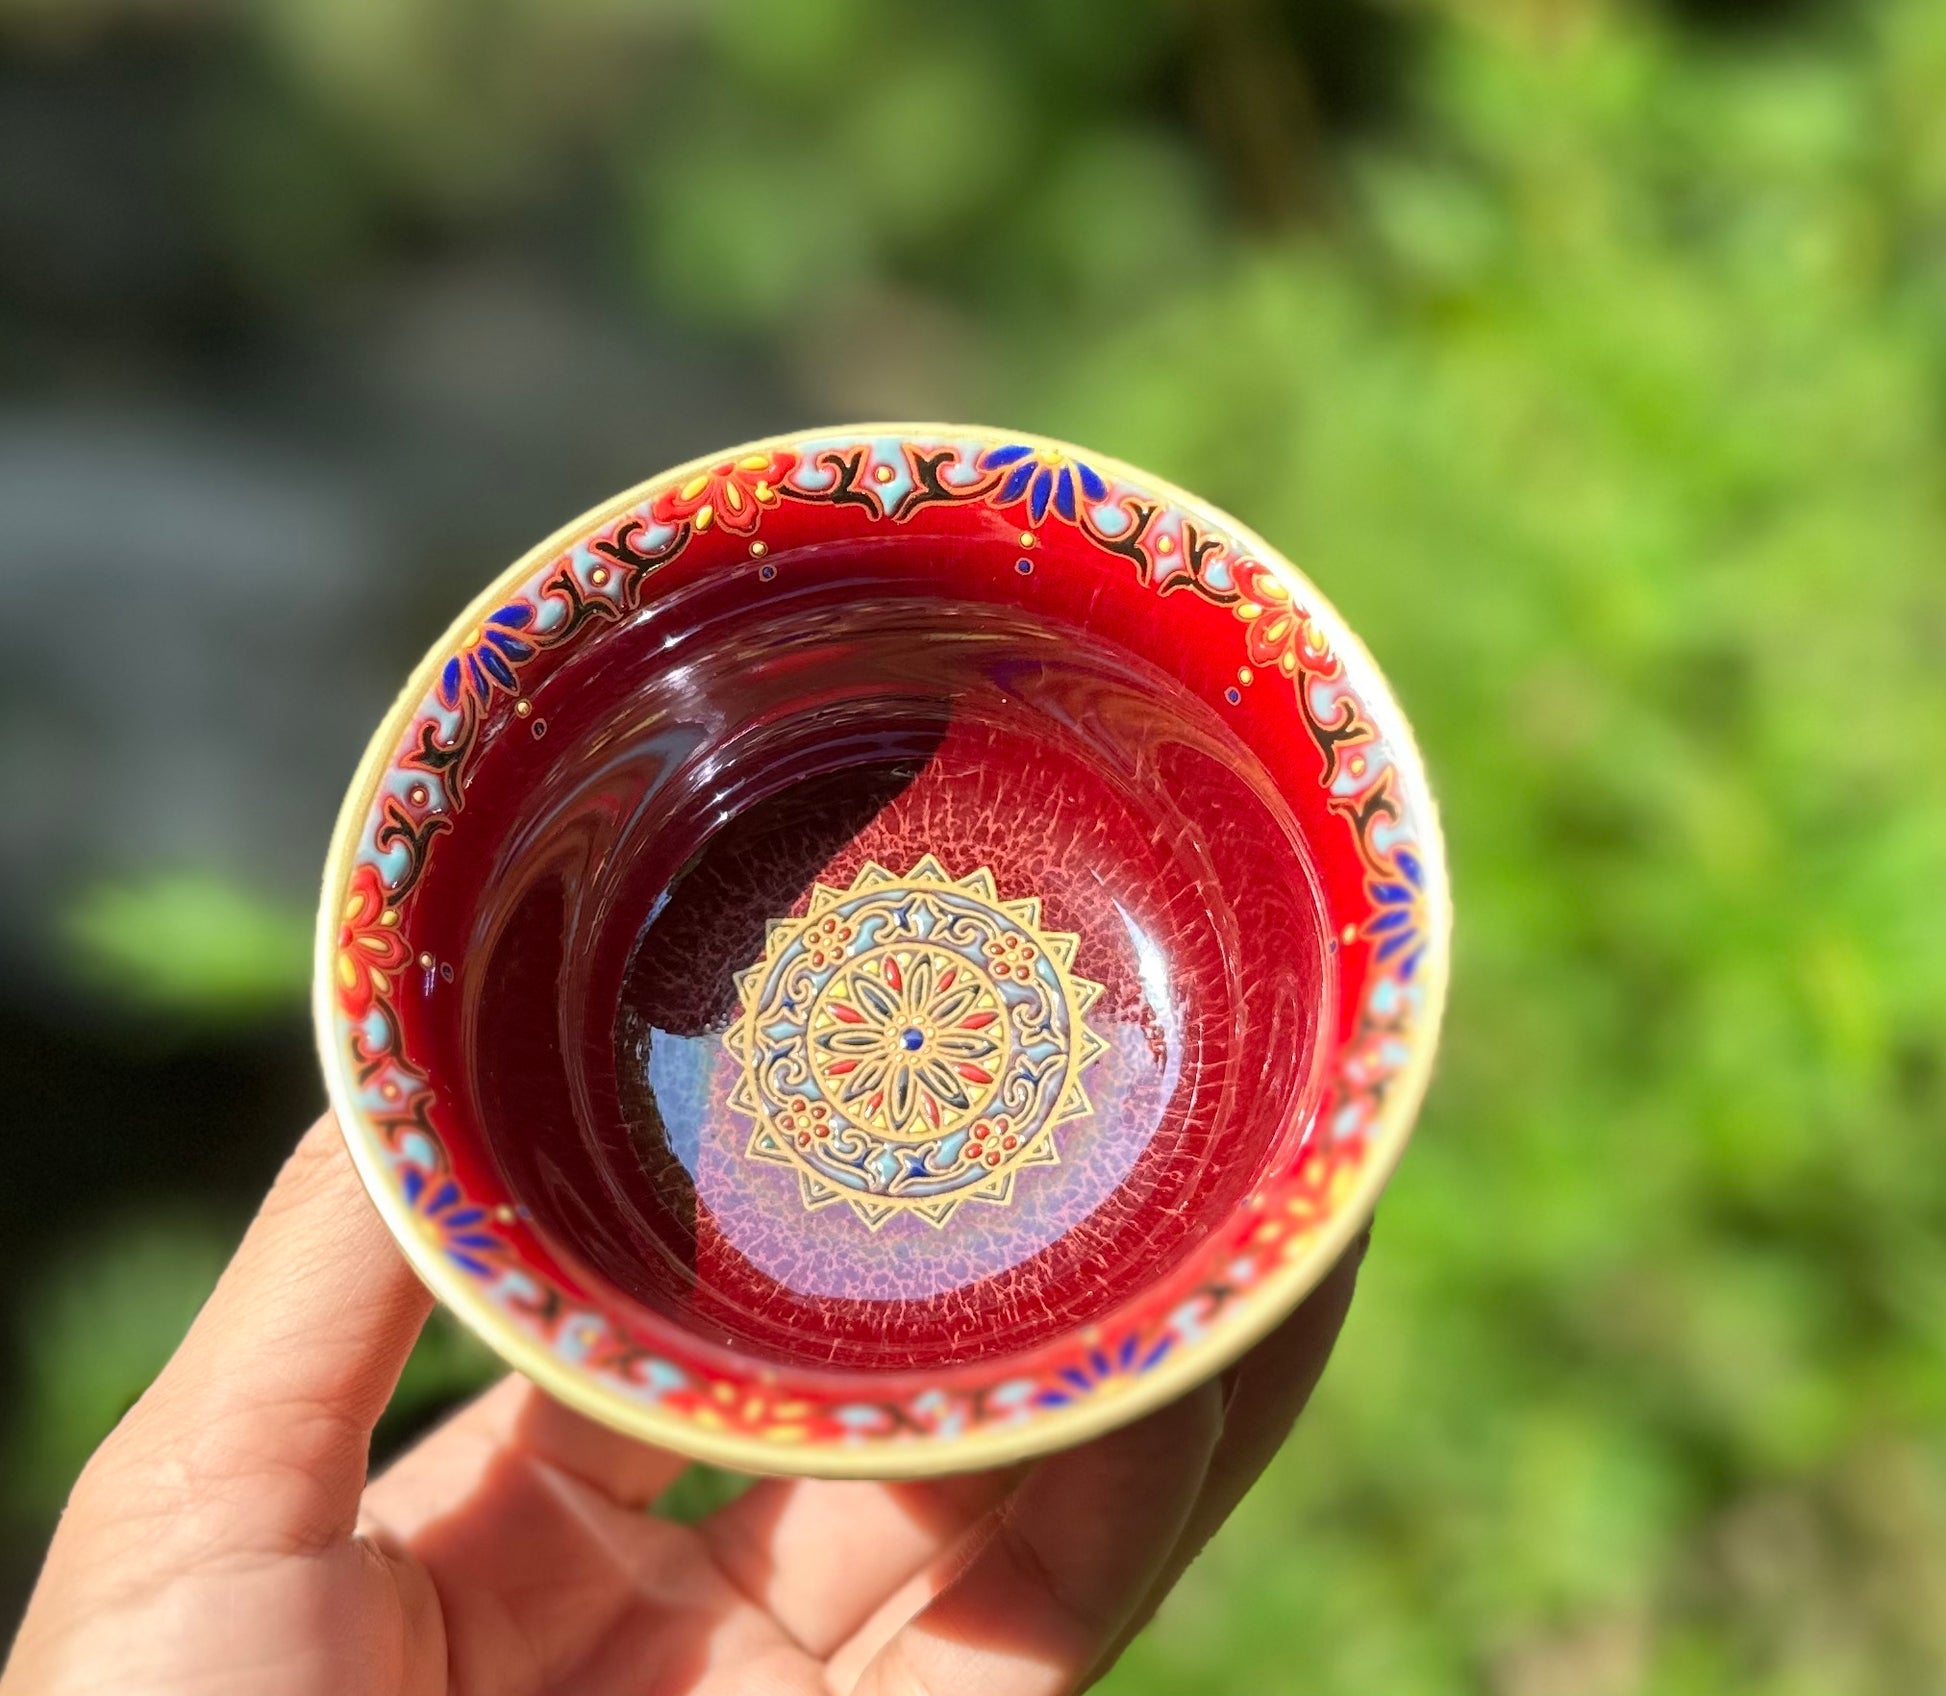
[[523, 707], [759, 549]]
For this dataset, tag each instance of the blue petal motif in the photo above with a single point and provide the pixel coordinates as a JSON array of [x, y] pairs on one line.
[[1408, 862], [449, 683], [1017, 480], [1064, 494], [496, 667], [510, 645], [1391, 894], [994, 458], [1397, 944], [1388, 921], [517, 615], [1091, 484], [1043, 487], [1130, 1357]]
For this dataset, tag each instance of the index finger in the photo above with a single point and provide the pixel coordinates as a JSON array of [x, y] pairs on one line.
[[269, 1404], [1059, 1570]]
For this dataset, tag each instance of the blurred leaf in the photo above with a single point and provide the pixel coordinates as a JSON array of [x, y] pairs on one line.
[[699, 1491], [101, 1323], [190, 944]]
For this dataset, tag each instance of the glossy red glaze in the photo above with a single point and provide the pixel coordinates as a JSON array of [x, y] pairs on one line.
[[762, 724]]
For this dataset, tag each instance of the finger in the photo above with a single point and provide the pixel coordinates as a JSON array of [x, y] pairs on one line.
[[821, 1556], [847, 1664], [514, 1418], [1263, 1395], [1061, 1567], [260, 1426], [550, 1576]]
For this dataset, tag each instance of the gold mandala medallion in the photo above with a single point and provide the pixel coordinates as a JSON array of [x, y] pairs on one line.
[[911, 1043]]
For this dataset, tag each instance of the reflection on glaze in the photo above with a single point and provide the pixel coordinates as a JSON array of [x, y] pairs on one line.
[[825, 1254], [723, 768]]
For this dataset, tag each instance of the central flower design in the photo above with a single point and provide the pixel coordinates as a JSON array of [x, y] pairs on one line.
[[911, 1043], [906, 1042]]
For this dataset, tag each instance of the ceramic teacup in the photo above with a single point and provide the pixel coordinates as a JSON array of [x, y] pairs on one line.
[[884, 951]]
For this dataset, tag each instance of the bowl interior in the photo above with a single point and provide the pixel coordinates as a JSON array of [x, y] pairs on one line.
[[886, 952], [862, 974]]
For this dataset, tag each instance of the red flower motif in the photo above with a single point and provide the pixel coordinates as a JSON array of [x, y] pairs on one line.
[[732, 494], [370, 947], [905, 1039], [752, 1410], [1281, 635]]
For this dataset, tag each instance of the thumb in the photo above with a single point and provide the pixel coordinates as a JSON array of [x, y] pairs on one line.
[[260, 1426]]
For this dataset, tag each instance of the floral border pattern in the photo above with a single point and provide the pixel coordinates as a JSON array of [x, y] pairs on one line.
[[600, 578]]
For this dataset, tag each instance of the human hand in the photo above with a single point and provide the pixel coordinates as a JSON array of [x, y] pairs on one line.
[[224, 1540]]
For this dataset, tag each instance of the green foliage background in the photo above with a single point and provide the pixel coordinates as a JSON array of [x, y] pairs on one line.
[[1592, 360]]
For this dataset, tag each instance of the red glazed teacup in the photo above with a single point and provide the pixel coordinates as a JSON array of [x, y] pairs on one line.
[[884, 951]]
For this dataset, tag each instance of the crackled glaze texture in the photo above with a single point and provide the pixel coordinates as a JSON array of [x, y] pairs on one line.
[[689, 1115]]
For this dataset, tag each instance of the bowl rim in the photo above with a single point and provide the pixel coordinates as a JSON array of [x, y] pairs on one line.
[[1241, 1325]]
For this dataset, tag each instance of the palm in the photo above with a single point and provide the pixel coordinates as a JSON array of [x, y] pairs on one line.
[[551, 1578], [225, 1542]]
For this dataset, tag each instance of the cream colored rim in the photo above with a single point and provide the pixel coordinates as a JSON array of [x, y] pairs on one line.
[[1251, 1316]]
